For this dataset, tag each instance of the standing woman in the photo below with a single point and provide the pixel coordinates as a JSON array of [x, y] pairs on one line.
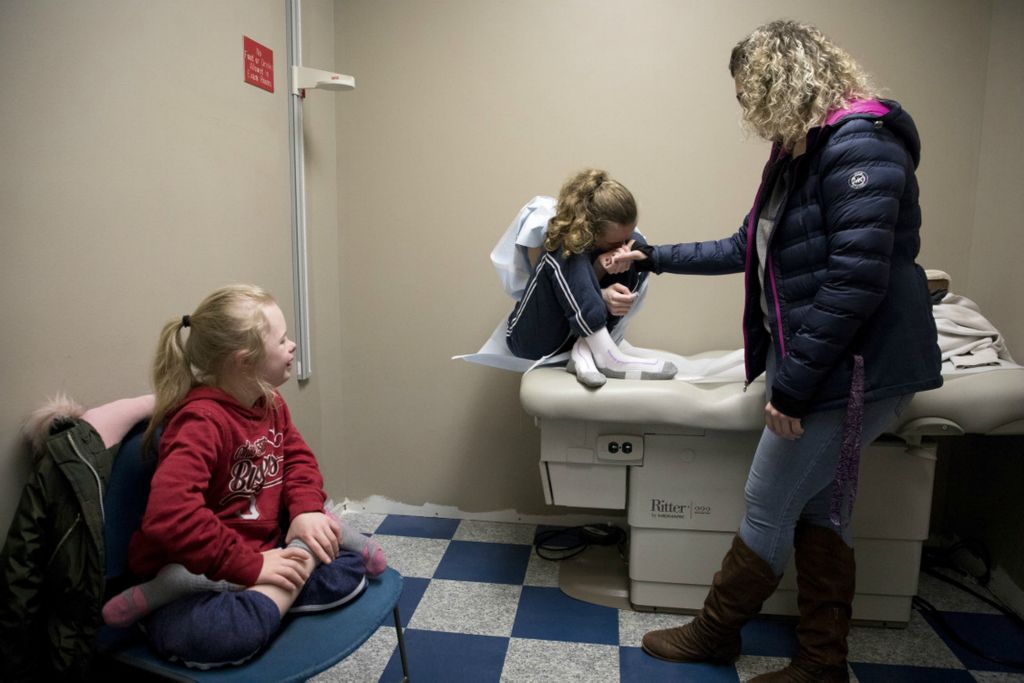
[[837, 312]]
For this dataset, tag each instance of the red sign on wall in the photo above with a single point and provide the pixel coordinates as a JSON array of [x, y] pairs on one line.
[[259, 64]]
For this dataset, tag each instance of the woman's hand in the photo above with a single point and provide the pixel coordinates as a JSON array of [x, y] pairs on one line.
[[618, 299], [286, 568], [783, 425], [318, 531]]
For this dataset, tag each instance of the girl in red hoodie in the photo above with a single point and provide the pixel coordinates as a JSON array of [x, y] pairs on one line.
[[234, 479]]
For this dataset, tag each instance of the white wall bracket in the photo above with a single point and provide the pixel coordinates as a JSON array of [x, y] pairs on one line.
[[305, 78]]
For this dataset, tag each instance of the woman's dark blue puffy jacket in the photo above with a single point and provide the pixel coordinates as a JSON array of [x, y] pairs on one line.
[[841, 279]]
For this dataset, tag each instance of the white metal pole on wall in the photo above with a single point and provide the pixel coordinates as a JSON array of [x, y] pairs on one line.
[[300, 79], [300, 262]]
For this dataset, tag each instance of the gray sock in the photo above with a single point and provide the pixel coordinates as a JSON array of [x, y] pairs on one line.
[[301, 545], [170, 583], [353, 541]]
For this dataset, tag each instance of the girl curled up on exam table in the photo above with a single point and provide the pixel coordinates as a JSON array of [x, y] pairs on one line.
[[577, 292]]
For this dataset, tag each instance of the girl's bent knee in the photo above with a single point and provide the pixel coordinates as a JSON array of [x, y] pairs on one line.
[[214, 629]]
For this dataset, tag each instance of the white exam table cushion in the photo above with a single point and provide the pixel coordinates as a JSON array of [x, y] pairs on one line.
[[989, 401]]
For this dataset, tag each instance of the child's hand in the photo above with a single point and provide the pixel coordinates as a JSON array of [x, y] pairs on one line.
[[618, 299], [319, 532], [286, 568], [624, 256], [609, 260]]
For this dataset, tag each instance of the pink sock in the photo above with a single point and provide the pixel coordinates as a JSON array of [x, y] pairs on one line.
[[125, 608], [373, 557], [352, 540], [173, 581]]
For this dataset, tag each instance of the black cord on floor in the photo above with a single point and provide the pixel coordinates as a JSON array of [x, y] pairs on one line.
[[933, 559], [565, 542]]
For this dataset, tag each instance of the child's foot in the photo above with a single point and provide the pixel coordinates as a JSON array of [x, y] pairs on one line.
[[169, 584], [125, 608], [352, 540], [614, 363], [618, 365], [582, 365], [373, 557]]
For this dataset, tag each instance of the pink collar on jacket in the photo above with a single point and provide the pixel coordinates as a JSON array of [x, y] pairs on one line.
[[873, 107]]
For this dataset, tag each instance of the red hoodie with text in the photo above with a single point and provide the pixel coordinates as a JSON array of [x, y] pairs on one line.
[[227, 478]]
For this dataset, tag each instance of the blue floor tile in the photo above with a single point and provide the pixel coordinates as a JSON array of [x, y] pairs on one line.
[[484, 562], [635, 666], [418, 527], [448, 657], [413, 589], [546, 613], [994, 634], [769, 638], [886, 673], [549, 614]]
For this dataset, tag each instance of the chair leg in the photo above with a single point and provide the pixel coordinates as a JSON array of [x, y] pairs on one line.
[[401, 645]]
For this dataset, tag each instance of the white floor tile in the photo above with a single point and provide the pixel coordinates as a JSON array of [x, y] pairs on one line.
[[530, 661], [486, 609], [418, 557]]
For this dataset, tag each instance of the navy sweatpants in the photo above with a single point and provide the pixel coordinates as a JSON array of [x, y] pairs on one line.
[[211, 629], [562, 302]]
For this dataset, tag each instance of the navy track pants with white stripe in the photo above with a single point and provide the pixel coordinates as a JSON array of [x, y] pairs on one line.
[[562, 302]]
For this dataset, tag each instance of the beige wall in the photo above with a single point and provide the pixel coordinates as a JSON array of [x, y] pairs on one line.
[[996, 277], [141, 172], [466, 109]]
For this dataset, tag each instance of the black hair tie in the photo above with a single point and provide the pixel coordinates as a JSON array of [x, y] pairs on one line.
[[186, 320]]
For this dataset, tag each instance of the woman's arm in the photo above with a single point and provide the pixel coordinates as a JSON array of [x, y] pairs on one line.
[[713, 257]]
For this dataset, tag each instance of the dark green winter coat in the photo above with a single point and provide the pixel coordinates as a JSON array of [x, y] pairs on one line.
[[52, 581]]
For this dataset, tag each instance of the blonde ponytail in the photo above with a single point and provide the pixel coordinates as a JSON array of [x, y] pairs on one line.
[[172, 377]]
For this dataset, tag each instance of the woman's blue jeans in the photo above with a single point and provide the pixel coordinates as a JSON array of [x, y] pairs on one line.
[[793, 481]]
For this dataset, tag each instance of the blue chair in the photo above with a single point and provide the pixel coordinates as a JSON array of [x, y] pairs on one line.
[[303, 647]]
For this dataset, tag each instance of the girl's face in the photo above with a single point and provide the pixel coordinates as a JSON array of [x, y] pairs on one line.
[[279, 349], [614, 236]]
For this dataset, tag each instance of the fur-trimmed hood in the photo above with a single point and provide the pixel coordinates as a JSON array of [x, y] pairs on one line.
[[58, 411]]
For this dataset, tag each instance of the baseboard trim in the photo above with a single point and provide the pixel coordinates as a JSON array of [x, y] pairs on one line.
[[382, 505]]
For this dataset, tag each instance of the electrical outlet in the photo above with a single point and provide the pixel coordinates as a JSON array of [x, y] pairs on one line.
[[620, 448]]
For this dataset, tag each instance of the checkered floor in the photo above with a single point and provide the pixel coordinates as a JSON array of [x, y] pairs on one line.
[[480, 606]]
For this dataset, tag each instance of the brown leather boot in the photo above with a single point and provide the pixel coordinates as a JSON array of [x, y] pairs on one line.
[[826, 574], [737, 593]]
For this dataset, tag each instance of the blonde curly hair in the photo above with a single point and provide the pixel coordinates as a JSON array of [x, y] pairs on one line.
[[789, 77], [588, 203]]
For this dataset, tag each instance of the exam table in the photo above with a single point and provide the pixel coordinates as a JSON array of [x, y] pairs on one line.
[[675, 455]]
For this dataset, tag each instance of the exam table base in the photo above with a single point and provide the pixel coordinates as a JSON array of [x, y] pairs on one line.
[[683, 493]]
